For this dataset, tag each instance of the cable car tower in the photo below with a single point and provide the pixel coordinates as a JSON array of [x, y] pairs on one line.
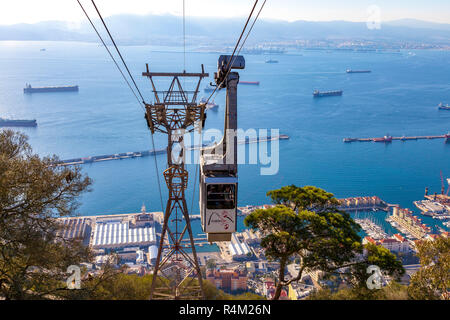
[[218, 164], [175, 112]]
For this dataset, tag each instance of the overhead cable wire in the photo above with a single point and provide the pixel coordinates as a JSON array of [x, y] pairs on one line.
[[234, 51], [109, 52], [117, 49], [243, 43], [126, 80]]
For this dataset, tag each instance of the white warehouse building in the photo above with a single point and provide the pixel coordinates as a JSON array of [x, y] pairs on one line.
[[238, 250], [120, 234]]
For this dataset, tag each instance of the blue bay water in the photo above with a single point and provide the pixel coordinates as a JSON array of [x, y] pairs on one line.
[[399, 97]]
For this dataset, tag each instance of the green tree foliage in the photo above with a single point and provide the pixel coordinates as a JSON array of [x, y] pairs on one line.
[[394, 291], [211, 264], [432, 281], [122, 286], [33, 257], [306, 224]]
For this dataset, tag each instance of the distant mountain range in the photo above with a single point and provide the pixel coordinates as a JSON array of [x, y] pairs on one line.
[[167, 30]]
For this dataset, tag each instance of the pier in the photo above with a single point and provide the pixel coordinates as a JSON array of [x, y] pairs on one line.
[[139, 154], [388, 139]]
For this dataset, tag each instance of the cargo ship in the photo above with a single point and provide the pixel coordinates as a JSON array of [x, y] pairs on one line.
[[29, 89], [17, 123], [271, 61], [442, 107], [255, 83], [318, 94], [358, 71]]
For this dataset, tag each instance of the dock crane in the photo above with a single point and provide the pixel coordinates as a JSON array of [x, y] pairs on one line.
[[448, 190], [218, 164]]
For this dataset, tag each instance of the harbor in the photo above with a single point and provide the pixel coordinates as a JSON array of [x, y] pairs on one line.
[[388, 139]]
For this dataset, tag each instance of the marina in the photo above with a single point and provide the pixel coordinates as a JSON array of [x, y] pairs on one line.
[[372, 229]]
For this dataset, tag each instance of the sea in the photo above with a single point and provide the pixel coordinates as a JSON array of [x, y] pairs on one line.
[[399, 97]]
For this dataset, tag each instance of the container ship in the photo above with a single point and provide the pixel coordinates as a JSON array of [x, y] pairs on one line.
[[17, 123], [318, 94], [29, 89], [358, 71], [442, 107]]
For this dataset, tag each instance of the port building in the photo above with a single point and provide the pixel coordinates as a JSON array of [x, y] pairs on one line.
[[75, 228], [239, 250], [115, 235]]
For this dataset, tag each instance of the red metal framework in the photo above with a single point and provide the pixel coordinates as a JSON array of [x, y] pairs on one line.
[[175, 112]]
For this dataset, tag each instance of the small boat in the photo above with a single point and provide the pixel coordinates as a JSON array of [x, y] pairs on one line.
[[442, 107], [209, 105]]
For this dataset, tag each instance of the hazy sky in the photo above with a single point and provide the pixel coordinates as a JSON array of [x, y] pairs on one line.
[[29, 11]]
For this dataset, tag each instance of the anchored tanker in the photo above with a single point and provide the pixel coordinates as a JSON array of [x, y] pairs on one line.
[[318, 94], [358, 71], [17, 123], [29, 89]]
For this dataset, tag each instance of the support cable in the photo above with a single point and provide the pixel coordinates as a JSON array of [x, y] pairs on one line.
[[110, 54], [128, 83], [242, 45], [234, 51], [117, 49]]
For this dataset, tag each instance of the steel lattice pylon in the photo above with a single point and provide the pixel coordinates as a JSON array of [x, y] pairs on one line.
[[175, 112]]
